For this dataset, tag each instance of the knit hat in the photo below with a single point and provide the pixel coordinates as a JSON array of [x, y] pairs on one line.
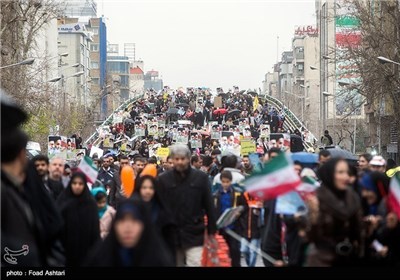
[[367, 183]]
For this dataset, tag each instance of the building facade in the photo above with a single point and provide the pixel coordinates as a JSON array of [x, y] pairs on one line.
[[74, 40], [341, 105], [285, 76], [152, 81], [305, 100], [98, 64], [118, 69], [136, 81]]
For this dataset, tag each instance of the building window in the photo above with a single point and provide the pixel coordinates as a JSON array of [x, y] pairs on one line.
[[94, 65], [94, 47], [95, 31], [95, 81]]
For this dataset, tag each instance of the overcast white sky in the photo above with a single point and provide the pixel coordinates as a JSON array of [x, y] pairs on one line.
[[207, 43]]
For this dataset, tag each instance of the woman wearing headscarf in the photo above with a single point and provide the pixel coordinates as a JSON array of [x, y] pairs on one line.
[[374, 187], [81, 221], [335, 230], [106, 212], [159, 215], [132, 241]]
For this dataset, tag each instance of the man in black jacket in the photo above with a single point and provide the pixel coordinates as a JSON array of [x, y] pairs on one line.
[[106, 173], [54, 187], [187, 194], [53, 182], [116, 193]]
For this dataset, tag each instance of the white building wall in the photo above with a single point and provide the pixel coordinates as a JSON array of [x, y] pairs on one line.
[[46, 52], [77, 89], [136, 85]]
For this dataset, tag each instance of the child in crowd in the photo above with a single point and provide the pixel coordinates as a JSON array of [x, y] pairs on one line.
[[227, 197], [106, 212]]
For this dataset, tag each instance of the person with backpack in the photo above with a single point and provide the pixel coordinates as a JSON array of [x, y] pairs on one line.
[[326, 139]]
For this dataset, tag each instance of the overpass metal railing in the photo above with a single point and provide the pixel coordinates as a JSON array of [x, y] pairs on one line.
[[110, 117], [291, 120]]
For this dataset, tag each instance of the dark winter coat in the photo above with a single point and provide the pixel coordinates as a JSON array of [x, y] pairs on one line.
[[237, 199], [81, 223], [55, 187], [338, 220], [188, 199], [250, 223], [159, 214], [105, 176], [150, 251], [18, 226]]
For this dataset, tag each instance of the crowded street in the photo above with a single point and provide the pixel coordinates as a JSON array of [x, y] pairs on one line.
[[303, 172]]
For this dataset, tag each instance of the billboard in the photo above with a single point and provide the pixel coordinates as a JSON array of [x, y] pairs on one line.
[[347, 37]]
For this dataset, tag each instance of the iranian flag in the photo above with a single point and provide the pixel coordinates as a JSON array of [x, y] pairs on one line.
[[394, 194], [277, 177], [87, 167], [307, 187]]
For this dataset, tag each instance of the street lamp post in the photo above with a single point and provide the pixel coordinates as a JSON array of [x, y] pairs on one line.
[[325, 94], [384, 60], [28, 61], [302, 104], [63, 79]]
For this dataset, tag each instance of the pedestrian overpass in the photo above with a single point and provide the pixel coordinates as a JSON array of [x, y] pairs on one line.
[[291, 121]]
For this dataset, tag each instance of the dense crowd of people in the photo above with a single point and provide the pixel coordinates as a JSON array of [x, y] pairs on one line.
[[67, 221]]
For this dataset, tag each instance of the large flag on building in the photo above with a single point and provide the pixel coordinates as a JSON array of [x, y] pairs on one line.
[[394, 194], [87, 167], [277, 177]]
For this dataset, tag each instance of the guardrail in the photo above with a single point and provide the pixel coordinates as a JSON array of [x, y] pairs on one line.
[[291, 121], [110, 117]]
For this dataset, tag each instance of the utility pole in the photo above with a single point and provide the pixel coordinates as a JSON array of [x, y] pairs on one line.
[[277, 49], [355, 134]]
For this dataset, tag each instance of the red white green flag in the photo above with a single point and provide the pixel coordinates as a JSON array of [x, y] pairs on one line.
[[277, 177], [87, 167], [394, 194]]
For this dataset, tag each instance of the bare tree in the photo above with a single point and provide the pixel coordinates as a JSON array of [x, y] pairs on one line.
[[379, 25]]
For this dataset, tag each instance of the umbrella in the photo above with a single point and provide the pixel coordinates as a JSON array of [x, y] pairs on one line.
[[304, 157], [223, 95], [233, 112], [242, 91], [253, 93], [182, 105], [220, 111], [340, 153], [172, 111]]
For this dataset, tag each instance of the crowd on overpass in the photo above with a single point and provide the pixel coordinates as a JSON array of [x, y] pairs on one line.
[[160, 186]]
